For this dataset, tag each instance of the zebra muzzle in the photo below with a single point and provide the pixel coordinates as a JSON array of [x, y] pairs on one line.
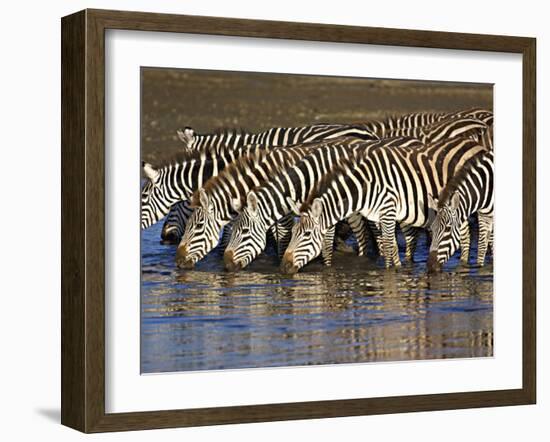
[[230, 264], [170, 237], [182, 260], [287, 264], [433, 263]]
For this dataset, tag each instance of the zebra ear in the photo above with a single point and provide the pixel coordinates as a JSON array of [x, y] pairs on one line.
[[316, 208], [252, 202], [432, 202], [186, 136], [293, 205], [236, 204], [203, 199], [455, 201], [150, 172]]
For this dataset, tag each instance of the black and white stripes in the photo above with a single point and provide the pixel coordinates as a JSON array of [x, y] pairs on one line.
[[227, 145], [387, 186], [376, 175], [467, 193]]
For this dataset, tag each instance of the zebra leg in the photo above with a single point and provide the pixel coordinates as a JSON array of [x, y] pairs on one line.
[[326, 251], [359, 228], [485, 228], [389, 242], [377, 237], [411, 237], [341, 233], [465, 242]]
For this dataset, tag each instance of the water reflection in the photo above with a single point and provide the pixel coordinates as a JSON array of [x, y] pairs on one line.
[[355, 311]]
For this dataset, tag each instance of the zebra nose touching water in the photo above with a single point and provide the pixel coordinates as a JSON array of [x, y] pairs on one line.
[[467, 193], [363, 185], [376, 180], [217, 203]]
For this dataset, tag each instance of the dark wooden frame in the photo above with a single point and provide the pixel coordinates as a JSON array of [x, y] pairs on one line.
[[83, 216]]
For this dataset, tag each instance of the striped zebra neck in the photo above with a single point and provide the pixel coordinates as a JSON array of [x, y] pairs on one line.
[[469, 191], [182, 178], [340, 195], [473, 184], [296, 182], [247, 172]]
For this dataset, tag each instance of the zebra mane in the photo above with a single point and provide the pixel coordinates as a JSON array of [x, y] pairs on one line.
[[454, 183], [249, 161]]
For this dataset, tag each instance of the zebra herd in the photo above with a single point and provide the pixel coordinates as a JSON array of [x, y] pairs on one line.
[[430, 171]]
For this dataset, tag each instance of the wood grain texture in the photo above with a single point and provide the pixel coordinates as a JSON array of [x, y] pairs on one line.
[[529, 220], [73, 213], [83, 220]]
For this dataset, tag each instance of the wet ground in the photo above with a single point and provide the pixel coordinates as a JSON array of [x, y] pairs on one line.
[[355, 311]]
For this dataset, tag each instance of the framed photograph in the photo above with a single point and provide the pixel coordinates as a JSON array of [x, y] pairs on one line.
[[268, 221]]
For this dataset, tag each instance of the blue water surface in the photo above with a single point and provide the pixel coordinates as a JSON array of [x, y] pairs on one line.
[[355, 311]]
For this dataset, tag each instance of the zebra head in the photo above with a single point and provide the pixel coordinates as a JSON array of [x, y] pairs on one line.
[[445, 231], [155, 198], [307, 239], [187, 137], [248, 237], [202, 232]]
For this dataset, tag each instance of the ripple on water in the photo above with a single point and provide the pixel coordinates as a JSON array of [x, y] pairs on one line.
[[355, 311]]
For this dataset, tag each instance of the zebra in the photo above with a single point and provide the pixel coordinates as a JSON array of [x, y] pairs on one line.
[[217, 202], [227, 143], [468, 192], [176, 180], [175, 221], [475, 124], [275, 136], [276, 199], [223, 147], [385, 185], [446, 129], [278, 196], [390, 126], [226, 140]]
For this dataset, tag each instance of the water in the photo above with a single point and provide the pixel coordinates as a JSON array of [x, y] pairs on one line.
[[355, 311]]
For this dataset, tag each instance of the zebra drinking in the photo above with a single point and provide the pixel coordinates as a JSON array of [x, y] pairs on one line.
[[176, 181], [230, 143], [468, 192], [276, 199], [217, 202], [387, 186]]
